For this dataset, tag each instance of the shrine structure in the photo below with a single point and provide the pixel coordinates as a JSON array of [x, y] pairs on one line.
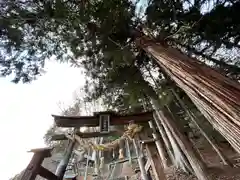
[[145, 145]]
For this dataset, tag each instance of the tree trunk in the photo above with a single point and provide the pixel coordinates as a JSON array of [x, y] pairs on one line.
[[194, 159], [179, 158], [181, 129], [215, 95], [210, 140], [187, 149], [169, 142]]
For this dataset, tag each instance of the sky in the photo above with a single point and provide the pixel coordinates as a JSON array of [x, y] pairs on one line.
[[25, 113]]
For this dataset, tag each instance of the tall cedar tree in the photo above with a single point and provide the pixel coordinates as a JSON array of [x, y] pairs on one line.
[[105, 36]]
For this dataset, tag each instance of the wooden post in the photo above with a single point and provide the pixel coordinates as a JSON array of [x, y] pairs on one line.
[[86, 169], [98, 156], [58, 137], [64, 162], [140, 162], [159, 145], [97, 163], [155, 162], [129, 152], [148, 165]]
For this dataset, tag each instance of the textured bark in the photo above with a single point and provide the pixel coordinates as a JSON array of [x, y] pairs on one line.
[[179, 158], [181, 129], [210, 140], [194, 159], [216, 96]]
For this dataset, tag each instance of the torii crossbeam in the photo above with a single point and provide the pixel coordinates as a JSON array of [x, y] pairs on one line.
[[93, 121]]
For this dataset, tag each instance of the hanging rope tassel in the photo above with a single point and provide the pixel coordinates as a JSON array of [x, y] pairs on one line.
[[121, 154]]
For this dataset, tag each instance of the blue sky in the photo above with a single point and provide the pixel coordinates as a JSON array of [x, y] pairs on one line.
[[25, 113]]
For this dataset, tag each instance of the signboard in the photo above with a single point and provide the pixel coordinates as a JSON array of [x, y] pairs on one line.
[[104, 123]]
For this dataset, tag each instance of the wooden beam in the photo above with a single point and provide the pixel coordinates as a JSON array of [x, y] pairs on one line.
[[44, 151], [93, 121], [122, 161], [155, 162], [58, 137], [75, 121], [43, 172], [34, 166], [138, 118], [148, 165]]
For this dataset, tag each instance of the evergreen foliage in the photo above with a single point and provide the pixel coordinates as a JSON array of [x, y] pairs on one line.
[[99, 36]]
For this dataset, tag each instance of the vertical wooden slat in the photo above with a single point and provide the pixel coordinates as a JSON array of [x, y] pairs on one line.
[[140, 162], [159, 145], [148, 165], [129, 152], [156, 164]]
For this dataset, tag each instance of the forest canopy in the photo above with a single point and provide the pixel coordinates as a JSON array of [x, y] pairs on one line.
[[98, 34]]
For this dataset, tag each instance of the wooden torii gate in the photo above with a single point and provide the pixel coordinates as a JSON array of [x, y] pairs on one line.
[[102, 120]]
